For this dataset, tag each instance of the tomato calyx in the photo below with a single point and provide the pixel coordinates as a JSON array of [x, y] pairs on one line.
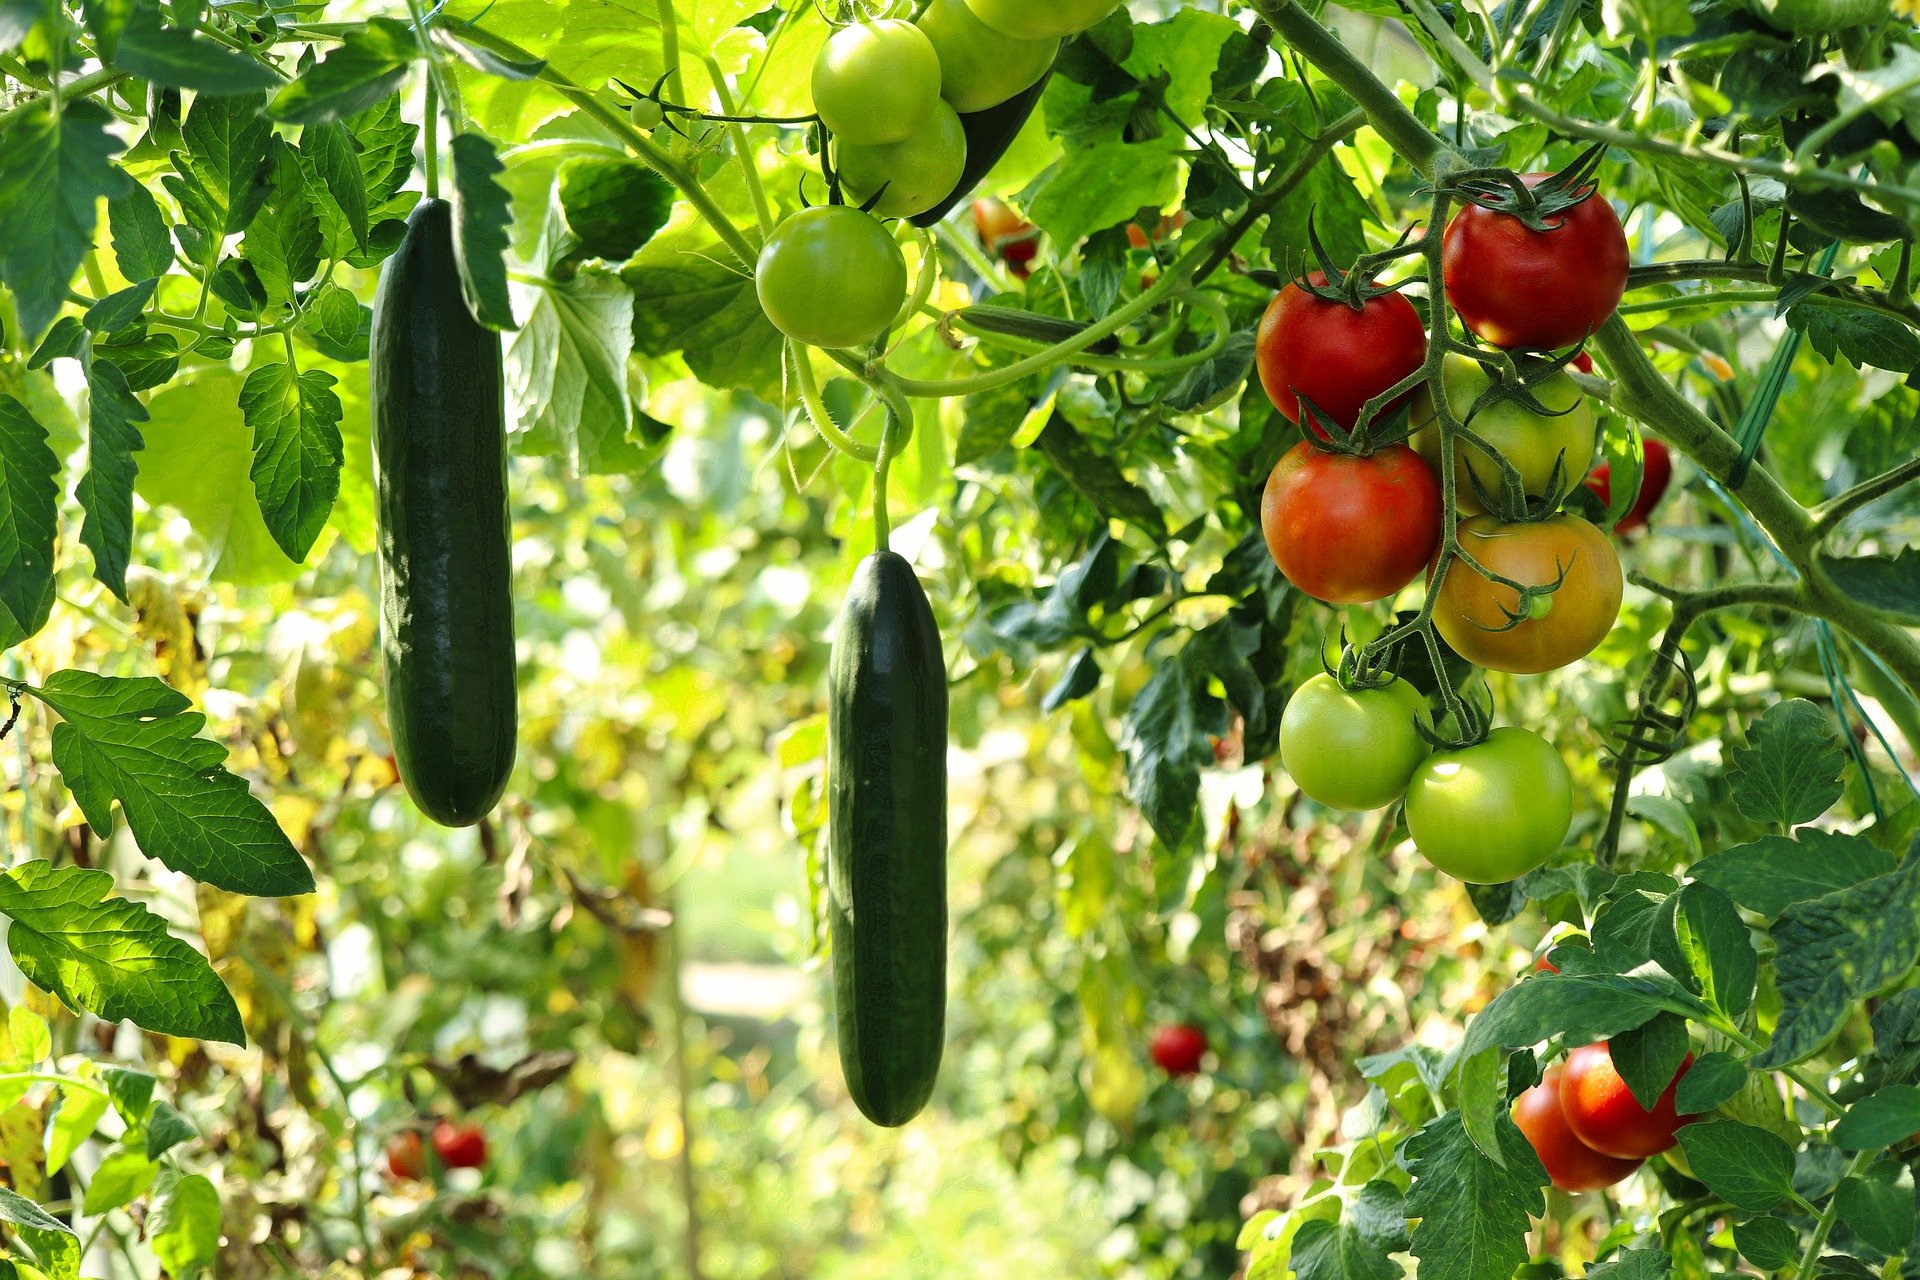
[[1355, 285], [672, 112], [1504, 191], [1365, 437], [1514, 376]]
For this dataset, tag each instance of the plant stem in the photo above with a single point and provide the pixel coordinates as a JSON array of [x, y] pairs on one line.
[[1714, 269], [78, 87], [1824, 1227], [741, 151], [1266, 201], [683, 1092], [1827, 516], [430, 142]]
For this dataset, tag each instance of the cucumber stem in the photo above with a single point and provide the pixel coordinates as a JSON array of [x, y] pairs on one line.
[[432, 138]]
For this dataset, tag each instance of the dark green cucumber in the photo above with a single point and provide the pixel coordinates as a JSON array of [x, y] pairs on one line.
[[440, 477], [989, 134], [887, 841]]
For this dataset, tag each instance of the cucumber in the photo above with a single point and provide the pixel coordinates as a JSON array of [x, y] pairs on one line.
[[887, 840], [440, 480]]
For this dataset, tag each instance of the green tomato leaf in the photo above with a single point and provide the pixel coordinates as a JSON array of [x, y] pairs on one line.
[[696, 304], [167, 1129], [1768, 1243], [220, 179], [184, 1230], [1633, 1264], [1473, 1213], [297, 451], [1582, 1008], [1890, 584], [1879, 1205], [368, 64], [283, 243], [80, 1112], [134, 740], [54, 168], [111, 957], [1789, 771], [1715, 1078], [67, 339], [1861, 338], [1166, 747], [106, 490], [613, 207], [29, 518], [122, 1178], [1774, 872], [329, 150], [1749, 1168], [1099, 478], [1837, 950], [140, 242], [182, 59], [1711, 949], [1649, 1055], [119, 309], [482, 226], [1880, 1120], [1361, 1244], [131, 1093], [22, 1212]]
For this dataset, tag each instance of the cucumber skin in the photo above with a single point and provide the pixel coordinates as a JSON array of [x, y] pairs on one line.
[[445, 534], [887, 840]]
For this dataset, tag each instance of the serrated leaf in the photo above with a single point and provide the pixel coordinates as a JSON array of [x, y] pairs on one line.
[[1713, 1079], [1649, 1056], [567, 368], [67, 339], [184, 1230], [1360, 1245], [133, 740], [1789, 771], [613, 207], [147, 359], [297, 451], [283, 242], [131, 1093], [1212, 382], [1772, 873], [368, 64], [119, 309], [1879, 1205], [1164, 747], [1857, 337], [54, 168], [1749, 1168], [121, 1178], [1581, 1007], [482, 223], [140, 242], [109, 956], [1890, 584], [1633, 1264], [106, 490], [1099, 478], [336, 323], [29, 516], [1879, 1120], [167, 1129], [1712, 947], [182, 59], [1837, 950], [220, 179], [330, 149], [1473, 1213], [22, 1212], [1081, 678]]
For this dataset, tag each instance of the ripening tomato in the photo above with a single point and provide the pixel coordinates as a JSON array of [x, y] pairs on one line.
[[979, 67], [1005, 232], [876, 82], [1517, 287], [1494, 811], [1349, 530], [1352, 748], [1549, 451], [1474, 613], [1571, 1163], [917, 172], [460, 1146], [1606, 1116], [1334, 355], [1046, 20], [1168, 224], [406, 1156], [1656, 473], [831, 276], [1178, 1049]]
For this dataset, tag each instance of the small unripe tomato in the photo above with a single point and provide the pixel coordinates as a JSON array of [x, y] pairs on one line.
[[646, 115]]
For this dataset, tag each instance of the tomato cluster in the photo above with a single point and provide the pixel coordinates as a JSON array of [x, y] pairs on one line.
[[456, 1145], [1587, 1127], [1351, 518]]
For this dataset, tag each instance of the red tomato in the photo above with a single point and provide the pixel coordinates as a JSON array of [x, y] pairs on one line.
[[1006, 233], [1178, 1049], [406, 1156], [1544, 965], [1583, 362], [1169, 223], [1335, 356], [1571, 1164], [461, 1146], [1348, 530], [1655, 475], [1606, 1116], [1517, 287]]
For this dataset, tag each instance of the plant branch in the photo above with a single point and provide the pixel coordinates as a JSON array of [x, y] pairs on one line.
[[1713, 269], [1265, 202], [1827, 516]]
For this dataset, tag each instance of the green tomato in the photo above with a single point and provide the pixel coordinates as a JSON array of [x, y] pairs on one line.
[[979, 67], [831, 276], [1492, 812], [917, 172], [1352, 748], [1531, 442], [646, 115], [1041, 19], [876, 82]]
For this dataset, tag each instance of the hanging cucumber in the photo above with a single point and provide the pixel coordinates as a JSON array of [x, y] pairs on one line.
[[887, 851], [440, 475]]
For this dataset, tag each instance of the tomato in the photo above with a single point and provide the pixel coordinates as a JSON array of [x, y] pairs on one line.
[[831, 276], [918, 172], [1352, 748], [1605, 1114], [1168, 224], [460, 1146], [979, 67], [1337, 357], [1494, 811], [1517, 287], [646, 115], [1045, 20], [1656, 473], [1541, 448], [1471, 611], [876, 82], [1006, 233], [406, 1156], [1571, 1163], [1178, 1049], [1349, 530], [1583, 362], [1544, 965]]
